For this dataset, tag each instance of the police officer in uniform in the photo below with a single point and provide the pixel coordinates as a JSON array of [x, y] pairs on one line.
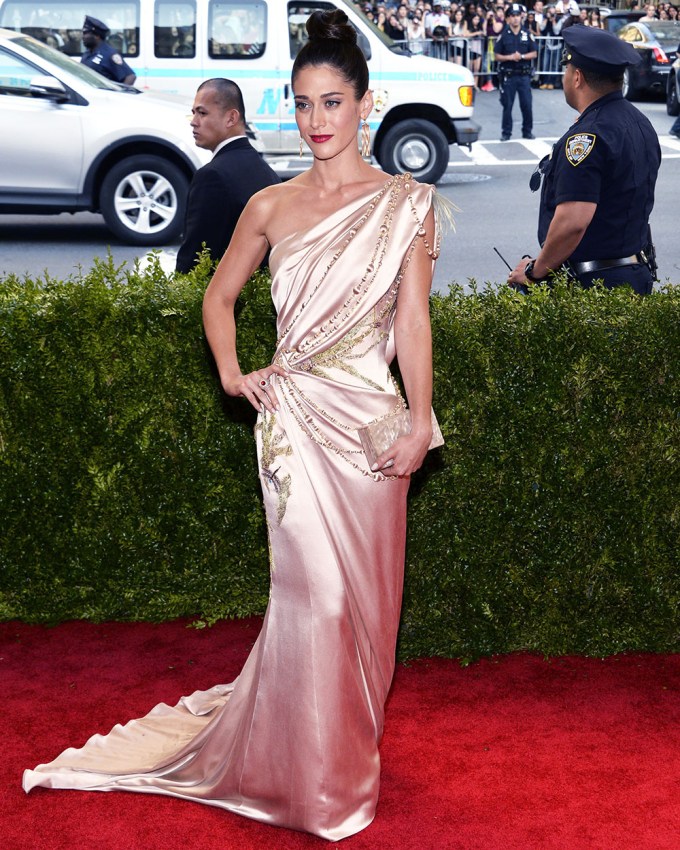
[[598, 182], [101, 57], [515, 49]]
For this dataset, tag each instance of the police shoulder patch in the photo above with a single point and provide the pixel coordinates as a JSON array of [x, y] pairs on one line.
[[117, 58], [579, 146]]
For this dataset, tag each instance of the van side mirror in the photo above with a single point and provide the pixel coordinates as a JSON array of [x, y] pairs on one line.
[[48, 87]]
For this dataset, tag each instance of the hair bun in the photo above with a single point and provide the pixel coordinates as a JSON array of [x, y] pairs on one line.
[[333, 23]]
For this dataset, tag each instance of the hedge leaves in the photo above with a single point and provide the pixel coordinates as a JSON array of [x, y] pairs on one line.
[[550, 520]]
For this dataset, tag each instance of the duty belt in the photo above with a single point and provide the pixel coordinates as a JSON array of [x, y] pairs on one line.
[[588, 266]]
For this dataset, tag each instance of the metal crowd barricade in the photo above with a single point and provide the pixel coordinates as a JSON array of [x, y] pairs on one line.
[[547, 68]]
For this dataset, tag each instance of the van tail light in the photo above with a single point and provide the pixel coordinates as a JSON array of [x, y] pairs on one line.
[[466, 95], [659, 56]]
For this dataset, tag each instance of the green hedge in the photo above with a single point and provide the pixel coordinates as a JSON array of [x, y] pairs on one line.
[[549, 521]]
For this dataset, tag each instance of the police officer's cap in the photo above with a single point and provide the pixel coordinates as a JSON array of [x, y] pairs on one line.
[[96, 26], [513, 9], [597, 50]]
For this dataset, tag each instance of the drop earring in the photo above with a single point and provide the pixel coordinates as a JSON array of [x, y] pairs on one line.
[[300, 147], [365, 140]]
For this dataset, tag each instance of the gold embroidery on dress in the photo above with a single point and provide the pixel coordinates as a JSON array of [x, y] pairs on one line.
[[374, 328], [443, 220], [309, 427], [339, 355], [396, 186], [351, 233], [271, 450]]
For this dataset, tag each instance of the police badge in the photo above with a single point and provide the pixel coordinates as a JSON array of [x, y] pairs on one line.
[[578, 147], [379, 99]]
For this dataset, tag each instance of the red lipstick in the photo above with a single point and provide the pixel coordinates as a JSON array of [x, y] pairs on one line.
[[320, 139]]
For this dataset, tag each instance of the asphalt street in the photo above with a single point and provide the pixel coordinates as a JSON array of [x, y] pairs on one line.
[[489, 185]]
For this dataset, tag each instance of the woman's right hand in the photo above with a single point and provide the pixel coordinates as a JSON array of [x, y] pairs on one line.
[[405, 456], [256, 387]]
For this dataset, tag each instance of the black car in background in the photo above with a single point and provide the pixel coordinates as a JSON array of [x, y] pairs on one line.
[[618, 18], [657, 43], [673, 90]]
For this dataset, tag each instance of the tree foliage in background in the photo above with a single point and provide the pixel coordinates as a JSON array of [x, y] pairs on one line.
[[549, 521]]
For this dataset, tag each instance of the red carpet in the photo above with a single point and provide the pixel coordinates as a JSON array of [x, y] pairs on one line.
[[511, 753]]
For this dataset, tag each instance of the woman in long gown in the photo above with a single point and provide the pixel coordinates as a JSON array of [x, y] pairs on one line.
[[294, 740]]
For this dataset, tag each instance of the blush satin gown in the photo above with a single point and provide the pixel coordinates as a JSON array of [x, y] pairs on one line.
[[293, 741]]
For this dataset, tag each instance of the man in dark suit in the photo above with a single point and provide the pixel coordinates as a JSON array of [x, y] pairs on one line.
[[220, 190]]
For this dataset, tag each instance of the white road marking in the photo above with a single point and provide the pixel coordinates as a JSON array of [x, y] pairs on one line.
[[482, 152], [525, 152], [672, 143], [538, 147]]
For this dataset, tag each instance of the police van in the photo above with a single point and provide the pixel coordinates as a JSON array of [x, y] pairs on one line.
[[421, 104]]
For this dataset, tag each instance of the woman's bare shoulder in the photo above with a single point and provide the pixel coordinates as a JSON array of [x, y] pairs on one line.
[[267, 196], [268, 200], [262, 205], [272, 210]]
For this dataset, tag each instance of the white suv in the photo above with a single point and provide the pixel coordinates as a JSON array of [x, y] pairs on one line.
[[72, 140]]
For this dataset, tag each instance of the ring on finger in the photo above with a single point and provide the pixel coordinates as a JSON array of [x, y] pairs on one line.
[[264, 383]]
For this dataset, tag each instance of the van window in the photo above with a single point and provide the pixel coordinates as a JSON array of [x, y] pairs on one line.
[[297, 18], [59, 23], [237, 29], [174, 32], [299, 12]]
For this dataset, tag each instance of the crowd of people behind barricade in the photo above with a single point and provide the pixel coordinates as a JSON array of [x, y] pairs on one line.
[[465, 32], [660, 12]]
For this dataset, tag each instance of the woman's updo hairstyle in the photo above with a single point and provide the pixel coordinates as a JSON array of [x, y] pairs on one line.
[[333, 41]]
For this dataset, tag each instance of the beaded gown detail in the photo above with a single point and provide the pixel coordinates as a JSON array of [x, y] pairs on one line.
[[293, 741]]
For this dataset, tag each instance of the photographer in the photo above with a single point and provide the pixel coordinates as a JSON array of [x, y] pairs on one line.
[[415, 31], [394, 29], [494, 21], [552, 45]]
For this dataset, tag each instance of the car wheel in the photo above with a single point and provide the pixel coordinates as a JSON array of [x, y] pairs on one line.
[[416, 146], [143, 200], [630, 90], [672, 103]]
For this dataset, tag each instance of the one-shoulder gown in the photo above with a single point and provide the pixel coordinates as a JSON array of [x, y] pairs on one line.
[[293, 741]]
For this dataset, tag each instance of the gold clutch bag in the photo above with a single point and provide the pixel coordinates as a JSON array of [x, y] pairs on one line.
[[379, 435]]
